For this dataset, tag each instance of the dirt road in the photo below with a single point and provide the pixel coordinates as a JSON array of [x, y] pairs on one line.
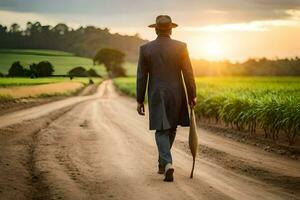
[[97, 147]]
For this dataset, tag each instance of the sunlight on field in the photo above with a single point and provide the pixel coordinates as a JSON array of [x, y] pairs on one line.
[[41, 90], [7, 82]]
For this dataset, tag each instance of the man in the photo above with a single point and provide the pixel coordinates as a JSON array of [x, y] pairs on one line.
[[162, 63]]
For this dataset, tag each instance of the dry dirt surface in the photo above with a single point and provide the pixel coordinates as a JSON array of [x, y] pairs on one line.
[[97, 147]]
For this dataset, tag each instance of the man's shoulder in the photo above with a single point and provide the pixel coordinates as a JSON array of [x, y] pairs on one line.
[[147, 44], [176, 42], [179, 43]]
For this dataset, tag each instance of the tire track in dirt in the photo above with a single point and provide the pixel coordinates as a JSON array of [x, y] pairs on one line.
[[290, 183], [40, 188], [22, 139]]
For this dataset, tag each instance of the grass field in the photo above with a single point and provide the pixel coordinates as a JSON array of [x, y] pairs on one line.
[[8, 82], [12, 88], [51, 89], [62, 61], [271, 104]]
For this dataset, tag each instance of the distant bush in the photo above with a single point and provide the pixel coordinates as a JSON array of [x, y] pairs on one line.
[[16, 70], [78, 71], [42, 69], [91, 81], [1, 75], [82, 72]]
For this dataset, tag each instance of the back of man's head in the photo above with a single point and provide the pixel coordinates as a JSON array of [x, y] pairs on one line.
[[163, 32]]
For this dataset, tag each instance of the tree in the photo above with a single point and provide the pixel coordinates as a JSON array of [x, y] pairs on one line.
[[16, 70], [78, 71], [2, 29], [61, 28], [41, 69], [36, 28], [14, 28], [44, 69], [112, 60], [28, 28]]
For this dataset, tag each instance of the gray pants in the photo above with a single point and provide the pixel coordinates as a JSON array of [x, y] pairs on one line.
[[164, 140]]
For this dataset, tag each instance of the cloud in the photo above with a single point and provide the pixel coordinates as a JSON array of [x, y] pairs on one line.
[[9, 17], [192, 12], [294, 14], [251, 26], [263, 25]]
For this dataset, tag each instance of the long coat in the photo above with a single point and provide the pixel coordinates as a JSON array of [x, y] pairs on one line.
[[162, 63]]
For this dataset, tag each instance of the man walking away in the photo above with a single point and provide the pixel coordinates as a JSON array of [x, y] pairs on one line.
[[162, 63]]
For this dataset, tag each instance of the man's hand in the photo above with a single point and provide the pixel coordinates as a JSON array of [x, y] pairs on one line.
[[193, 102], [140, 108]]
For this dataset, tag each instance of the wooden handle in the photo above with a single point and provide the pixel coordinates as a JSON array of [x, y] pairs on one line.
[[192, 172]]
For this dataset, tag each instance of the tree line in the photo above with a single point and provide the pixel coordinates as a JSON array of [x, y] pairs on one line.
[[84, 41], [251, 67], [45, 69]]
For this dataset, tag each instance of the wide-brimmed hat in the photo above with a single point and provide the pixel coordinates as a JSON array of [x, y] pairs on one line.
[[163, 22]]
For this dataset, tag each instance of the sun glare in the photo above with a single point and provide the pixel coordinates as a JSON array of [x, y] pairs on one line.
[[213, 49]]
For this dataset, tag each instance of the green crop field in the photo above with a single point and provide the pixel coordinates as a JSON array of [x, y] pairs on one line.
[[271, 104], [62, 61], [8, 82]]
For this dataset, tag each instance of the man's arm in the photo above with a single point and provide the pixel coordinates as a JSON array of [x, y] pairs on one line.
[[141, 82], [188, 76]]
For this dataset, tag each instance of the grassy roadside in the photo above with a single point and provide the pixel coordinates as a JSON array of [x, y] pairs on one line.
[[126, 85]]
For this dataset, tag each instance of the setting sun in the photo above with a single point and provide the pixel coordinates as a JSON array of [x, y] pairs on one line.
[[213, 49]]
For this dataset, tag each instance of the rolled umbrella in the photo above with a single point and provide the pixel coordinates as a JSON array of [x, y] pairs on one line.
[[193, 138]]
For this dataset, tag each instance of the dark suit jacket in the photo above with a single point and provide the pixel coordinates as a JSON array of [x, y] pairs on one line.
[[163, 61]]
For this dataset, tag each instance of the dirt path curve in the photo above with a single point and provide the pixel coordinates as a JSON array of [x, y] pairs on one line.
[[97, 147]]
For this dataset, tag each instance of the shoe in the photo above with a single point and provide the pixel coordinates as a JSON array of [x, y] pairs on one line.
[[169, 170], [161, 169]]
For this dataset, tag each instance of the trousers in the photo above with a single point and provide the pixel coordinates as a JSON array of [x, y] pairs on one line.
[[164, 141]]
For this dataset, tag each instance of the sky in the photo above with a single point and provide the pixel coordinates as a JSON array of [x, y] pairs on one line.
[[215, 30]]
